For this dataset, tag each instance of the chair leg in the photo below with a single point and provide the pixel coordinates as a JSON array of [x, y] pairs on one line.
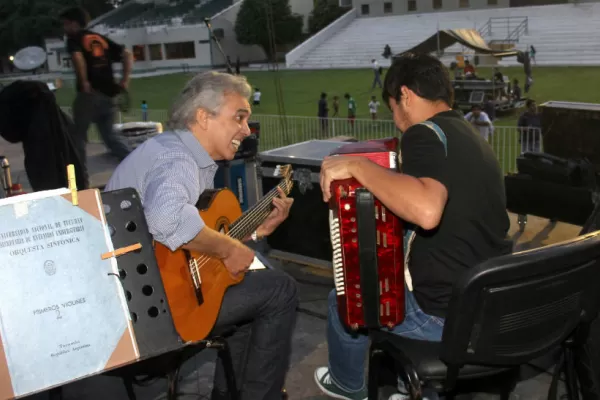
[[128, 383], [225, 356], [375, 356], [570, 375], [172, 384]]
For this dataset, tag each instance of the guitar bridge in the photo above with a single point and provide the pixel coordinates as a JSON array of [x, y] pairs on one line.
[[195, 275]]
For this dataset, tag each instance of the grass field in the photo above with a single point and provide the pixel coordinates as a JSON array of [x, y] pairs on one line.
[[301, 89]]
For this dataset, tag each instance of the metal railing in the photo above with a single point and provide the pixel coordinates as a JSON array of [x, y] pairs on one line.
[[509, 28], [508, 142]]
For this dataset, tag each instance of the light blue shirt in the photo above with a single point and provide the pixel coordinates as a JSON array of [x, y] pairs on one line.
[[169, 172]]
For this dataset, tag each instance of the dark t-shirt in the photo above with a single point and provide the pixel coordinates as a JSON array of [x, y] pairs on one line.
[[99, 53], [323, 109], [474, 225]]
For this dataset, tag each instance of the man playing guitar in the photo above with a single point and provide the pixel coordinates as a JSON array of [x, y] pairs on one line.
[[451, 189], [207, 122]]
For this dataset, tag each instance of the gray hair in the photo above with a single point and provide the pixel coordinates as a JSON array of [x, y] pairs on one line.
[[206, 90]]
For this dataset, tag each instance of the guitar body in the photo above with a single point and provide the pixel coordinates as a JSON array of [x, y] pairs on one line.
[[195, 314]]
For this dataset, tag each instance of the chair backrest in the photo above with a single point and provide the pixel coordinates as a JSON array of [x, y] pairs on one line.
[[512, 309]]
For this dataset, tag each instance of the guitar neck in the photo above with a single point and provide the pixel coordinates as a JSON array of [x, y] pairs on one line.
[[250, 220]]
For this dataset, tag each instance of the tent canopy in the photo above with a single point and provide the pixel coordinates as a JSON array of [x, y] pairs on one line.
[[467, 37]]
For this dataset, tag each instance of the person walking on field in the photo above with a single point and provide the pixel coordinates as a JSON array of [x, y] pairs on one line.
[[92, 55]]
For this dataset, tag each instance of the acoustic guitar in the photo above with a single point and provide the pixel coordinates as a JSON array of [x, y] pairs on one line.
[[195, 283]]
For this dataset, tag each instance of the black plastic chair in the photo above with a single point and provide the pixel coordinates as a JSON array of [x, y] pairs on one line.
[[504, 313]]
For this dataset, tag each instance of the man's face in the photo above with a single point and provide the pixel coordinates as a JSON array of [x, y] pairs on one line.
[[476, 111], [229, 128]]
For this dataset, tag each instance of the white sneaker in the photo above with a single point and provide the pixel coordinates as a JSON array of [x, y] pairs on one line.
[[399, 396], [327, 386]]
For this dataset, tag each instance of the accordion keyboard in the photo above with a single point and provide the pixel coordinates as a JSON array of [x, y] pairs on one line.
[[336, 243]]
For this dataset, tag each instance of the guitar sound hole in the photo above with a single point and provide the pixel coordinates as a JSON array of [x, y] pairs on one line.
[[148, 290], [131, 226], [153, 312], [128, 295], [122, 274], [134, 317]]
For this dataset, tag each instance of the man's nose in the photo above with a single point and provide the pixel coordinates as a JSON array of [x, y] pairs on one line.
[[246, 129]]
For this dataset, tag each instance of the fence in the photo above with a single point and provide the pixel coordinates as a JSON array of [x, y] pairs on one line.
[[277, 131]]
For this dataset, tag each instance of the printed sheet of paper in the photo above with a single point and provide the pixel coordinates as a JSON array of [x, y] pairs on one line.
[[62, 315]]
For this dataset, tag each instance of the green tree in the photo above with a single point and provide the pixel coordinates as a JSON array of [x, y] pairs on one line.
[[324, 13], [268, 24]]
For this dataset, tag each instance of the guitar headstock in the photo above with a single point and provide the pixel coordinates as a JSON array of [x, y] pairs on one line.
[[285, 172]]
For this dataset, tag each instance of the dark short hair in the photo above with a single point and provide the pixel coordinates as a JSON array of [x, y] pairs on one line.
[[76, 14], [423, 74]]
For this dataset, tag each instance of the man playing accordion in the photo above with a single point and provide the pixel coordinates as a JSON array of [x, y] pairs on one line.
[[451, 188]]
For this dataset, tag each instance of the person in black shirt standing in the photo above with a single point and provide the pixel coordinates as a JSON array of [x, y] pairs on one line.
[[323, 113], [92, 55], [450, 192]]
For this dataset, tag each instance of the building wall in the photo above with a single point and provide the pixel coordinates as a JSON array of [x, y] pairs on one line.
[[379, 8], [140, 41], [161, 36]]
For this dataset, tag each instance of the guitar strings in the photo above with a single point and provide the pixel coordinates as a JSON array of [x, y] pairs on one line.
[[237, 229], [204, 258]]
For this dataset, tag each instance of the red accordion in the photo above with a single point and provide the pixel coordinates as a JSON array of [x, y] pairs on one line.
[[367, 241]]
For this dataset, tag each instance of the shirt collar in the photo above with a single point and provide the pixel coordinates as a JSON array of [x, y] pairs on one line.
[[200, 154]]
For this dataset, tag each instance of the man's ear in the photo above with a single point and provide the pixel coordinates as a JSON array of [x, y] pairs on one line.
[[202, 118], [406, 95]]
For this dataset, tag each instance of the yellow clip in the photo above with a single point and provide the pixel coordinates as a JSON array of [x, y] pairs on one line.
[[72, 184], [121, 251]]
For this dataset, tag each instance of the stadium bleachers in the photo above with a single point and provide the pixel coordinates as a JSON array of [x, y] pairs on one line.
[[124, 13], [562, 34], [135, 14], [207, 10]]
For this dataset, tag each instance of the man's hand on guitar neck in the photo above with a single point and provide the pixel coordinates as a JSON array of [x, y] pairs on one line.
[[236, 256], [281, 210]]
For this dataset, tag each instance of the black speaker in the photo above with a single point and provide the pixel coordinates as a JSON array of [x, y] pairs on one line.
[[526, 195]]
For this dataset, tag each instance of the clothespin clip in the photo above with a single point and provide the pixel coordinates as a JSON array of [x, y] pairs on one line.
[[121, 251], [72, 184]]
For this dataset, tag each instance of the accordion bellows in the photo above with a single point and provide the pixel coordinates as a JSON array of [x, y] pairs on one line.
[[367, 241]]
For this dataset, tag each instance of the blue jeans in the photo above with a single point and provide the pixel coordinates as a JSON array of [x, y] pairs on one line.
[[347, 350]]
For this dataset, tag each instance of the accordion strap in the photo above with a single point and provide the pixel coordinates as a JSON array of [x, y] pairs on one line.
[[410, 234]]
